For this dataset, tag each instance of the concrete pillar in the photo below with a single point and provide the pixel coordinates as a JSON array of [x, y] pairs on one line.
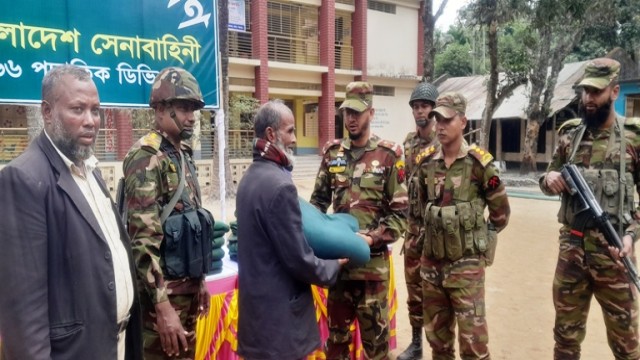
[[124, 131], [260, 48], [359, 36], [326, 103]]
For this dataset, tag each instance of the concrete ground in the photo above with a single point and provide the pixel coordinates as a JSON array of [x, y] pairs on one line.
[[520, 311]]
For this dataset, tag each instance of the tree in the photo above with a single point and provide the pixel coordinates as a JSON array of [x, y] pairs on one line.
[[600, 38], [429, 21], [455, 60], [560, 27], [491, 14]]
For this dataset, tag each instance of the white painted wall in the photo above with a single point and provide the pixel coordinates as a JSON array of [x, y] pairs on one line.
[[393, 118], [392, 53], [392, 42]]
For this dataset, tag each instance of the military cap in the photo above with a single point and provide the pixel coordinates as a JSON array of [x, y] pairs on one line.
[[449, 104], [600, 72], [359, 96]]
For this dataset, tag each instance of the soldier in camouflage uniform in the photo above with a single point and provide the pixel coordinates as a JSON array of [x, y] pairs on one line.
[[153, 170], [585, 267], [422, 100], [362, 176], [457, 182]]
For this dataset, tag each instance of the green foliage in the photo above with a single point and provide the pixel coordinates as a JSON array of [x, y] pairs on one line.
[[455, 60], [621, 30], [241, 111], [515, 44]]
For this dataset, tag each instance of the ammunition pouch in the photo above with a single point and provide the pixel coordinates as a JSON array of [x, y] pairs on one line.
[[452, 232], [605, 186], [492, 237], [414, 206], [186, 251]]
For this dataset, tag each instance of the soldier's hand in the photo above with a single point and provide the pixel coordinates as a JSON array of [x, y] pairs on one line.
[[203, 299], [366, 238], [627, 249], [555, 182], [342, 261], [172, 334]]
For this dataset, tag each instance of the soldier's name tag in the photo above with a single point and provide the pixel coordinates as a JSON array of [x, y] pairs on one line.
[[338, 165], [379, 170]]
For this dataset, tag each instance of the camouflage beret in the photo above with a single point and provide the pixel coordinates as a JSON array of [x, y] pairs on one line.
[[174, 83], [600, 72], [359, 96], [449, 104]]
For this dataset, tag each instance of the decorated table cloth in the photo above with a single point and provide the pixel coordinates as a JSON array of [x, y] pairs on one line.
[[216, 334]]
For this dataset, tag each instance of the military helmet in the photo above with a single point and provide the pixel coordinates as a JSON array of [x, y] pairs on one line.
[[424, 91], [174, 83]]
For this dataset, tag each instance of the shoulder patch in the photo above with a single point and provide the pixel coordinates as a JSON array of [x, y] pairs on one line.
[[569, 124], [329, 144], [425, 154], [408, 138], [632, 122], [397, 149], [483, 156], [152, 140]]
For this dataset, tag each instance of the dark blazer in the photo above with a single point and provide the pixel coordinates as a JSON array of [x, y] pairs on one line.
[[276, 266], [57, 299]]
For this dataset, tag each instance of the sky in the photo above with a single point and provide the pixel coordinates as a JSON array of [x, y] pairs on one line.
[[450, 13]]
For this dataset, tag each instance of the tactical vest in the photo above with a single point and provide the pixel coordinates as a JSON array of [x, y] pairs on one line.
[[413, 146], [458, 230], [614, 193], [186, 250]]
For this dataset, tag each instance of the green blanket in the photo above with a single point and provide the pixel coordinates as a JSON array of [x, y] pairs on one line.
[[333, 236]]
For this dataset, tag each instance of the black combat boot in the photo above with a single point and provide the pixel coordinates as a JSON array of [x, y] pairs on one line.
[[414, 351]]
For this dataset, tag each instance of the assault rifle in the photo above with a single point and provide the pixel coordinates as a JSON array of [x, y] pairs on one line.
[[578, 187]]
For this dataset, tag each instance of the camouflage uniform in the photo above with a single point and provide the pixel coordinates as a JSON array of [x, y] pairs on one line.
[[370, 188], [152, 175], [152, 171], [413, 145], [457, 244], [585, 267]]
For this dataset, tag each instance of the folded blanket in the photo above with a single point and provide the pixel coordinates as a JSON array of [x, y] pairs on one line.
[[216, 267], [220, 226], [217, 242], [333, 236], [217, 254]]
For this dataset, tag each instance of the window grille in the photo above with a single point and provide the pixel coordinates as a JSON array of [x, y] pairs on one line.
[[293, 33], [384, 90], [343, 41], [381, 6], [240, 44]]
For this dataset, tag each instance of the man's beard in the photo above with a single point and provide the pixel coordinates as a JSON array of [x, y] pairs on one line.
[[186, 134], [358, 135], [67, 145], [422, 123], [598, 117], [287, 152]]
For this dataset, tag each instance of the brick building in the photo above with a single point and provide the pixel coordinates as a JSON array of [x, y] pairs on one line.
[[302, 51]]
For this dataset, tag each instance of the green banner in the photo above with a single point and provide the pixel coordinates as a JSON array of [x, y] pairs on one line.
[[122, 43]]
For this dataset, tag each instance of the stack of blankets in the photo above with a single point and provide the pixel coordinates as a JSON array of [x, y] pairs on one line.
[[233, 241], [217, 252]]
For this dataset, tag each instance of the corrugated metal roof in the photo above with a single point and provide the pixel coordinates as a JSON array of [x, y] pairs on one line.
[[475, 90]]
